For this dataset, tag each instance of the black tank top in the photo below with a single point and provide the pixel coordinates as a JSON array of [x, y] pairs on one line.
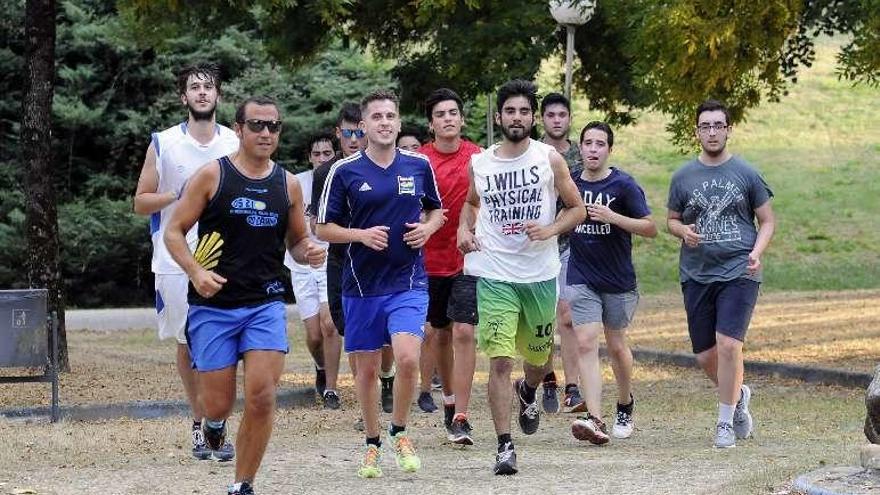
[[241, 237]]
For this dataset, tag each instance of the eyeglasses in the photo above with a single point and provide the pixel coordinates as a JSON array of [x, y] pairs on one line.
[[257, 125], [705, 128], [348, 133]]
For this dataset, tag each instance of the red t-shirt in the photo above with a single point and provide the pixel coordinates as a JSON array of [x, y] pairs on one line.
[[442, 257]]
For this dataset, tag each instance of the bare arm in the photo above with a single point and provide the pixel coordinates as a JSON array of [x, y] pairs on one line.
[[146, 200], [420, 232], [766, 228], [375, 238], [467, 241], [644, 226], [687, 233], [195, 198], [301, 248], [571, 214]]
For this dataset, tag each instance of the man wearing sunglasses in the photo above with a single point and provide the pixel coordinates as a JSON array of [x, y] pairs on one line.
[[374, 200], [352, 139], [249, 212], [712, 206], [172, 157]]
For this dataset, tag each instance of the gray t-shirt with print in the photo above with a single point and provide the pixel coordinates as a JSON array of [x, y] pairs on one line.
[[721, 201]]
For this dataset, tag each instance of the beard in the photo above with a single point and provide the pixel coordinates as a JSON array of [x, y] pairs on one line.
[[715, 152], [200, 115], [554, 135], [521, 133]]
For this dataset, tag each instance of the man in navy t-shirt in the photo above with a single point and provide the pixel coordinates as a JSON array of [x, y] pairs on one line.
[[374, 200], [601, 281]]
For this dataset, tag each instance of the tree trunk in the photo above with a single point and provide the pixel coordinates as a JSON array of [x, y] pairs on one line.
[[41, 221]]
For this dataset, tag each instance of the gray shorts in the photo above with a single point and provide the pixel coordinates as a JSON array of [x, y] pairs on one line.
[[614, 310], [562, 278]]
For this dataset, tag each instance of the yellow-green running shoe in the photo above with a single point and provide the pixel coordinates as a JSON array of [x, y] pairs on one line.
[[370, 465], [405, 453]]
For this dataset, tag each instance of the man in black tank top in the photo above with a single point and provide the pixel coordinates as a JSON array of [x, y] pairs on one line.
[[249, 210]]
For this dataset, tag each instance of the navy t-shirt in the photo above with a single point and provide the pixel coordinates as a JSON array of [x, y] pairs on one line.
[[601, 253], [360, 194]]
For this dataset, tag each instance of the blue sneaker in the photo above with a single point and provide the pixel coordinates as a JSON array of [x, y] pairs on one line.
[[200, 449], [215, 439]]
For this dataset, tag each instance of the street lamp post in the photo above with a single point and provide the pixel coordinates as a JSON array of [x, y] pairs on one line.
[[571, 13]]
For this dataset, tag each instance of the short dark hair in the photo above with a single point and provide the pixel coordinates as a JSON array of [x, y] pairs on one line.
[[204, 70], [602, 126], [518, 87], [378, 95], [440, 95], [320, 137], [711, 105], [410, 131], [256, 100], [555, 99], [350, 112]]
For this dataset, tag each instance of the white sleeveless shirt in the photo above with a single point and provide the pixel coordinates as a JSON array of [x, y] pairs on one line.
[[513, 192], [305, 182], [178, 156]]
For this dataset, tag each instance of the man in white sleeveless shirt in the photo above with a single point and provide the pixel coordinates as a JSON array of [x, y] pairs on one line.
[[508, 232], [310, 288], [172, 157]]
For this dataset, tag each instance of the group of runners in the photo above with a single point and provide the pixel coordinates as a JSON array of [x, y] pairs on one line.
[[400, 251]]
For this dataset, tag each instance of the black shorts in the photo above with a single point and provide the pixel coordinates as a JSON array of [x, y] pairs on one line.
[[334, 292], [723, 307], [452, 298]]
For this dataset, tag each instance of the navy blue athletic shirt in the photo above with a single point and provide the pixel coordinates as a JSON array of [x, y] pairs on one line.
[[601, 253], [241, 237], [360, 194]]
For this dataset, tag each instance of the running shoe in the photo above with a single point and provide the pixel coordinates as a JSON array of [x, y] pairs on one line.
[[405, 453], [724, 436], [225, 453], [243, 488], [591, 429], [200, 449], [387, 394], [215, 439], [331, 400], [623, 425], [529, 417], [573, 402], [742, 418], [460, 430], [505, 460], [369, 467], [549, 398], [426, 402]]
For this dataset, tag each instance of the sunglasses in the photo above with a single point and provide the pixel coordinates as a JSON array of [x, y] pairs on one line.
[[257, 125], [348, 133]]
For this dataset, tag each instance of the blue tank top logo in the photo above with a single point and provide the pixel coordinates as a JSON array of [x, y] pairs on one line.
[[263, 221], [248, 204]]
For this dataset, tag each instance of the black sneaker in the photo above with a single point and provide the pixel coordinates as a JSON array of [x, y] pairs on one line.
[[243, 488], [549, 399], [214, 437], [331, 400], [426, 402], [448, 416], [529, 417], [505, 460], [200, 449], [460, 431], [387, 394], [320, 382]]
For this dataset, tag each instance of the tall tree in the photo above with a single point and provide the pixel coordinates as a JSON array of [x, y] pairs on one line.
[[36, 125]]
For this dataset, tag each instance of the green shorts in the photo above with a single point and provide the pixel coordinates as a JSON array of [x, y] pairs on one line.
[[516, 317]]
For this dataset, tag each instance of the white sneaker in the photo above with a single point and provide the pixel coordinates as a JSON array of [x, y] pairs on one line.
[[724, 436], [623, 425], [742, 418]]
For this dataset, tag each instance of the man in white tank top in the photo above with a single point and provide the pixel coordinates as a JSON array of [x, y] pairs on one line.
[[172, 157], [508, 232], [310, 289]]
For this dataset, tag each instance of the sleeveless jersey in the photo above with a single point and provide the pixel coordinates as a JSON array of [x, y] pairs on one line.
[[178, 156], [241, 237], [514, 192]]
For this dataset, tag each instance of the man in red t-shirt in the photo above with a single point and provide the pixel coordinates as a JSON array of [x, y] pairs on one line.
[[452, 310]]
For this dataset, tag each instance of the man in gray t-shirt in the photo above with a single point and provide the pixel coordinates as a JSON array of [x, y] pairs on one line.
[[712, 206]]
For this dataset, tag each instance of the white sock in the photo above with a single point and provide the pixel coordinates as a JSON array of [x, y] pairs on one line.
[[387, 374], [725, 412], [449, 399]]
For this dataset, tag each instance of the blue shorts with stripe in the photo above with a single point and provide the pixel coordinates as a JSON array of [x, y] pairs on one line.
[[371, 321], [219, 337]]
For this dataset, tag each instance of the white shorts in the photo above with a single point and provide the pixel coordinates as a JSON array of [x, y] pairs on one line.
[[309, 289], [171, 305]]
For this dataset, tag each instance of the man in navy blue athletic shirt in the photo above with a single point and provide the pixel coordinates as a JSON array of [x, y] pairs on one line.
[[374, 200]]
